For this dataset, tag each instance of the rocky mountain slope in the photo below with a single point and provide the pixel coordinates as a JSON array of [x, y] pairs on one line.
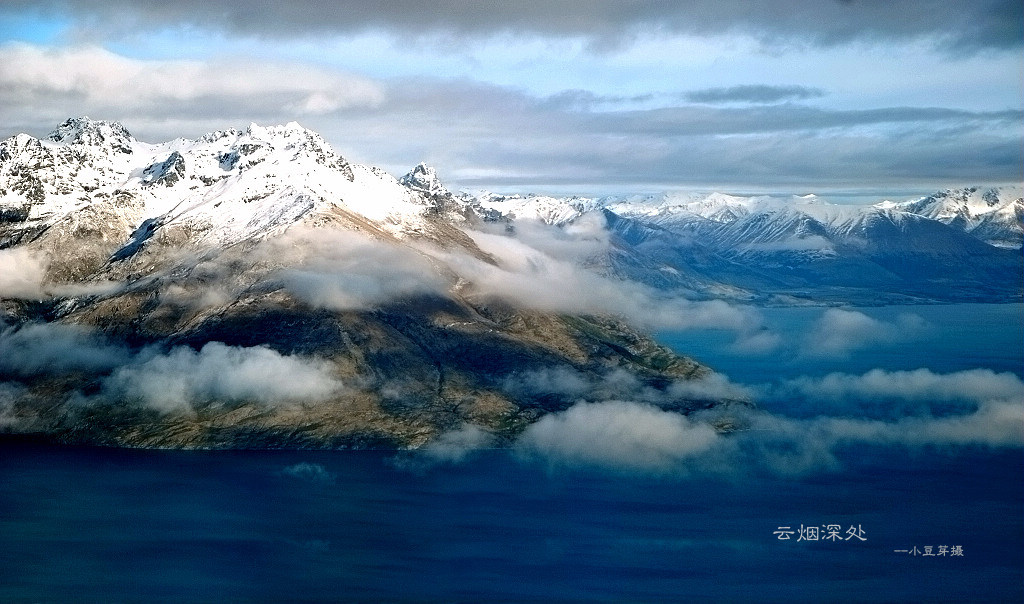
[[255, 289]]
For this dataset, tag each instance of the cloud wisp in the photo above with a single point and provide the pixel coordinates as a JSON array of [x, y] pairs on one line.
[[840, 332], [22, 274], [342, 270], [547, 274], [313, 473], [35, 350], [753, 93]]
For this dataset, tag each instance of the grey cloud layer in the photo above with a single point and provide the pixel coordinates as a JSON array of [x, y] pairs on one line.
[[965, 25], [500, 137], [47, 82], [513, 140]]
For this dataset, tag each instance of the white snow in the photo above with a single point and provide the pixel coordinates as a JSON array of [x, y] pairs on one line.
[[234, 185]]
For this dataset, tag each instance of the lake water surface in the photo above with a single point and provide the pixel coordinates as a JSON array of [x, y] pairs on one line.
[[81, 524]]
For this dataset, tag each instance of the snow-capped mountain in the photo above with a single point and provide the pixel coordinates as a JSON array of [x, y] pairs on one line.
[[994, 215], [221, 189], [551, 210], [254, 289], [228, 185], [424, 178]]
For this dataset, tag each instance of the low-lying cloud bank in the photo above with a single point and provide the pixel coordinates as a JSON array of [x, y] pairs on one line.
[[640, 436], [622, 385], [618, 434], [971, 384]]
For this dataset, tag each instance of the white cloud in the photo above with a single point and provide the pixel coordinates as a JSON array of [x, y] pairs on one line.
[[9, 394], [994, 424], [713, 386], [621, 384], [90, 79], [456, 445], [584, 238], [21, 274], [973, 385], [619, 435], [183, 378], [638, 436], [797, 446], [530, 277], [349, 271], [839, 332], [810, 243]]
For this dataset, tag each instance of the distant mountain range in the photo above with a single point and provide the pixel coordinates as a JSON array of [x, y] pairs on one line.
[[957, 245], [338, 306]]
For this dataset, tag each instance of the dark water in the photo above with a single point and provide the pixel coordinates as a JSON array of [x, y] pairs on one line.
[[115, 525]]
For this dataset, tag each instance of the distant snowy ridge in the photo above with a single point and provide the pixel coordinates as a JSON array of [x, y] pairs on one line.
[[994, 215]]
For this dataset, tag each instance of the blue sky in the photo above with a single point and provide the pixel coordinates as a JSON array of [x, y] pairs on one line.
[[880, 98]]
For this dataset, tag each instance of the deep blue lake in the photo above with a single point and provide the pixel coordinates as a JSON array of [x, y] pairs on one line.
[[84, 524]]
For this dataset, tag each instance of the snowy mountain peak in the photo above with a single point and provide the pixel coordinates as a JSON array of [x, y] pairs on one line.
[[291, 130], [424, 178], [993, 215], [86, 131], [292, 137]]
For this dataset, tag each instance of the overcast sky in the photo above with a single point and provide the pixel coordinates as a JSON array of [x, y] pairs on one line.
[[608, 96]]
